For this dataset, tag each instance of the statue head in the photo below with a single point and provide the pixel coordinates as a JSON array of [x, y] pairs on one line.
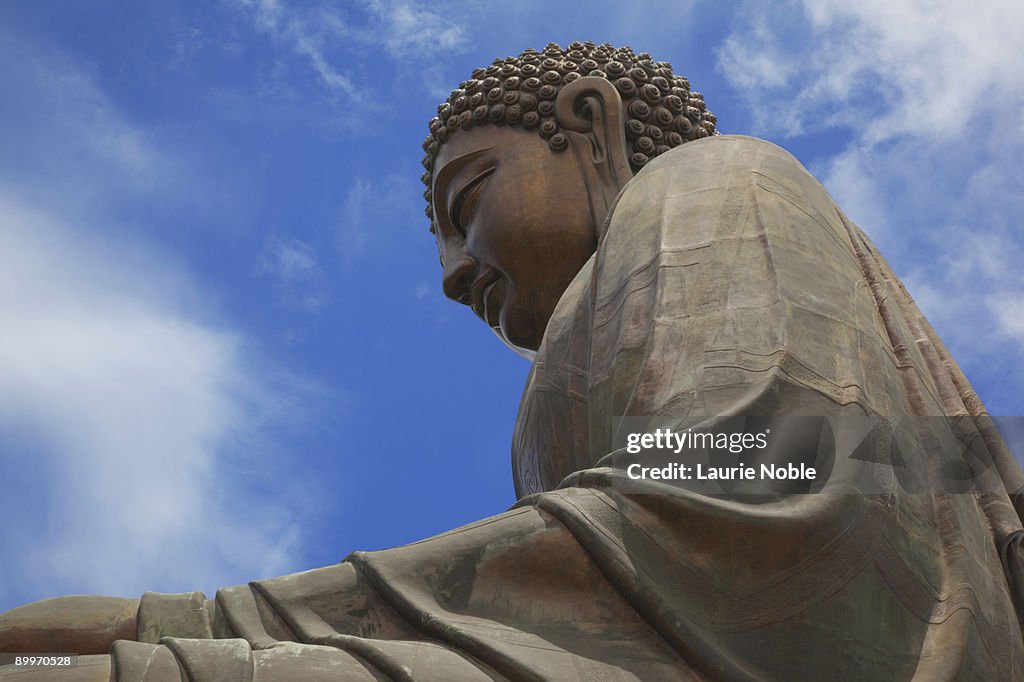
[[524, 161]]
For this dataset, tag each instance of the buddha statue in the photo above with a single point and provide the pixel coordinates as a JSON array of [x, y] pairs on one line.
[[586, 209]]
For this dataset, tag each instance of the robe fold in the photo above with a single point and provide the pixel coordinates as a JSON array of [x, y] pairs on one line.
[[726, 283]]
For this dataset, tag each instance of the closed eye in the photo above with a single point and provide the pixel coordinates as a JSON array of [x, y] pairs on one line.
[[461, 207]]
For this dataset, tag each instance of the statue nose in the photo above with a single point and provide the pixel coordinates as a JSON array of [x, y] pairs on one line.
[[458, 276]]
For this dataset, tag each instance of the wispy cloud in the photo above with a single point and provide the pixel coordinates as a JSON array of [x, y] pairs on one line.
[[307, 33], [289, 259], [333, 40], [377, 211], [64, 136], [412, 30], [135, 422], [883, 68], [134, 410], [293, 264], [353, 230], [931, 105], [978, 287], [1008, 310]]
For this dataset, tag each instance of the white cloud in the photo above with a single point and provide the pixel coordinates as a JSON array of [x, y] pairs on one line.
[[974, 288], [935, 63], [376, 212], [134, 409], [353, 230], [299, 278], [135, 424], [887, 68], [755, 58], [63, 135], [412, 30], [308, 34], [289, 259], [1008, 310], [328, 38]]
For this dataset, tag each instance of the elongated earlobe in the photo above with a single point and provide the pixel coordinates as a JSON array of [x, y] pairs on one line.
[[592, 106]]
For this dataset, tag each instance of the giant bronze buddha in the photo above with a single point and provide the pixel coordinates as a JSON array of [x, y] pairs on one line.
[[588, 212]]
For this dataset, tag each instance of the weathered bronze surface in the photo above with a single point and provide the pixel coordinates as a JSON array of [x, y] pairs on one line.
[[721, 280]]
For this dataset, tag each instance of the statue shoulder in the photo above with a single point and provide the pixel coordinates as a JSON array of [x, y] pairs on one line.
[[721, 153], [726, 163]]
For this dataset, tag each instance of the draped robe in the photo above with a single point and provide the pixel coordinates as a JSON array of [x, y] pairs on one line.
[[726, 282]]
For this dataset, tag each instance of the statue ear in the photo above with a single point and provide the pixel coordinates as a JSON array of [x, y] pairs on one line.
[[591, 105]]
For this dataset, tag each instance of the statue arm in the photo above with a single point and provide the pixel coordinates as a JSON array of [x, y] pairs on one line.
[[481, 602], [74, 624]]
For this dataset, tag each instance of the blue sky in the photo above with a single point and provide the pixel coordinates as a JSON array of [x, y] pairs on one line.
[[224, 353]]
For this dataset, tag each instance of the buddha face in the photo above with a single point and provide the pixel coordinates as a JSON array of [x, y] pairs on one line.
[[514, 223]]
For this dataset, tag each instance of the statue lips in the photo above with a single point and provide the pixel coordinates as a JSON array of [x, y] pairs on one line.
[[480, 295], [494, 296]]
